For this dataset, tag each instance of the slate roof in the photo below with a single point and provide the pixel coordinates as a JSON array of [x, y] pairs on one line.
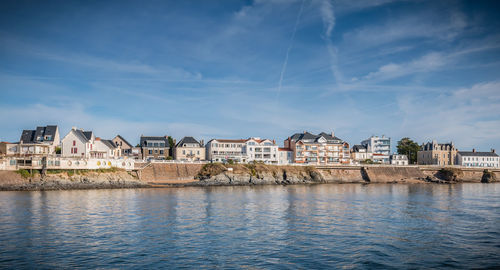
[[306, 136], [189, 140], [154, 138], [477, 154], [82, 135], [109, 143], [30, 136], [358, 147]]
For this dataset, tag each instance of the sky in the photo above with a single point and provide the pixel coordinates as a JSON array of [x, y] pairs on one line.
[[428, 70]]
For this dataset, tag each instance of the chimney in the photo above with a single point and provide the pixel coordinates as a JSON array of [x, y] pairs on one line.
[[305, 131], [97, 138], [492, 150], [73, 128], [202, 142], [333, 134], [274, 141], [473, 150]]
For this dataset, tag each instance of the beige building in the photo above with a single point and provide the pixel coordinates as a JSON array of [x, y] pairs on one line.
[[124, 145], [189, 149], [433, 153], [321, 149]]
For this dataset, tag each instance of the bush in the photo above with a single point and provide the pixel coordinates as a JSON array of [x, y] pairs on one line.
[[24, 173]]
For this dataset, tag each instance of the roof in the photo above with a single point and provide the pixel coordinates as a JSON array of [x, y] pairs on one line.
[[38, 135], [154, 138], [284, 149], [189, 140], [81, 134], [230, 141], [125, 141], [358, 147], [109, 143], [306, 136], [477, 154]]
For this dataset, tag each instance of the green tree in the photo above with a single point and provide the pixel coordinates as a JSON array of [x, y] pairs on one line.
[[408, 147], [58, 150], [172, 145]]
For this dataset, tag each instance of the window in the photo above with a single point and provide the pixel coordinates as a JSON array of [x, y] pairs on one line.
[[183, 152], [150, 152], [74, 143], [156, 151], [161, 152]]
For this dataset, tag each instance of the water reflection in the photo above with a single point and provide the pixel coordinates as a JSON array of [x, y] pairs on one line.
[[316, 226]]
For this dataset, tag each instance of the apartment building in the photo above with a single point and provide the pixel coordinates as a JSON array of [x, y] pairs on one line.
[[478, 159], [40, 141], [321, 149], [243, 150], [285, 156], [434, 153], [379, 147]]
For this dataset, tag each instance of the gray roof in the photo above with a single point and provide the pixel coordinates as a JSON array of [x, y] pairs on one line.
[[109, 143], [306, 136], [477, 154], [154, 138], [32, 136], [357, 147], [82, 135], [189, 140]]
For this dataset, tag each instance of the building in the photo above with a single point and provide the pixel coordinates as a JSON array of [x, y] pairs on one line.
[[285, 156], [397, 159], [42, 141], [434, 153], [9, 149], [125, 146], [321, 149], [359, 154], [155, 147], [107, 148], [478, 159], [80, 143], [261, 150], [379, 147], [243, 150], [189, 149]]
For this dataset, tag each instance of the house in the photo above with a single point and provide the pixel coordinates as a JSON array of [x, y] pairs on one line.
[[321, 149], [125, 146], [285, 156], [155, 147], [478, 159], [80, 143], [189, 149], [434, 153], [107, 148], [243, 150], [397, 159], [379, 147], [359, 153], [41, 141]]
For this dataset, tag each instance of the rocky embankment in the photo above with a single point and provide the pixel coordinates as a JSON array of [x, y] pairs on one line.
[[260, 174], [63, 180]]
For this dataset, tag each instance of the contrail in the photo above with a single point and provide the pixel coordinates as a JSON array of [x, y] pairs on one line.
[[283, 69], [328, 17]]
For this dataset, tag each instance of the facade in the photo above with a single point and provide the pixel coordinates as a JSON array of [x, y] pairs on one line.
[[434, 153], [41, 141], [359, 154], [321, 149], [9, 149], [125, 146], [80, 143], [189, 149], [107, 148], [397, 159], [478, 159], [380, 147], [243, 151], [155, 147], [285, 156]]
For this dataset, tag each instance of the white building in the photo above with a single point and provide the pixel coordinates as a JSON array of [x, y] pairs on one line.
[[243, 151], [41, 141], [285, 156], [380, 147], [397, 159], [359, 153], [478, 159], [84, 144]]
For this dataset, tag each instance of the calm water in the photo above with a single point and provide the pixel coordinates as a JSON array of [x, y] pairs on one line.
[[320, 226]]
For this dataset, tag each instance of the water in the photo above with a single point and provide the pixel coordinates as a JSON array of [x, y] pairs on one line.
[[317, 226]]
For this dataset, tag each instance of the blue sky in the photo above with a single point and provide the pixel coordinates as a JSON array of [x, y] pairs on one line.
[[234, 69]]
